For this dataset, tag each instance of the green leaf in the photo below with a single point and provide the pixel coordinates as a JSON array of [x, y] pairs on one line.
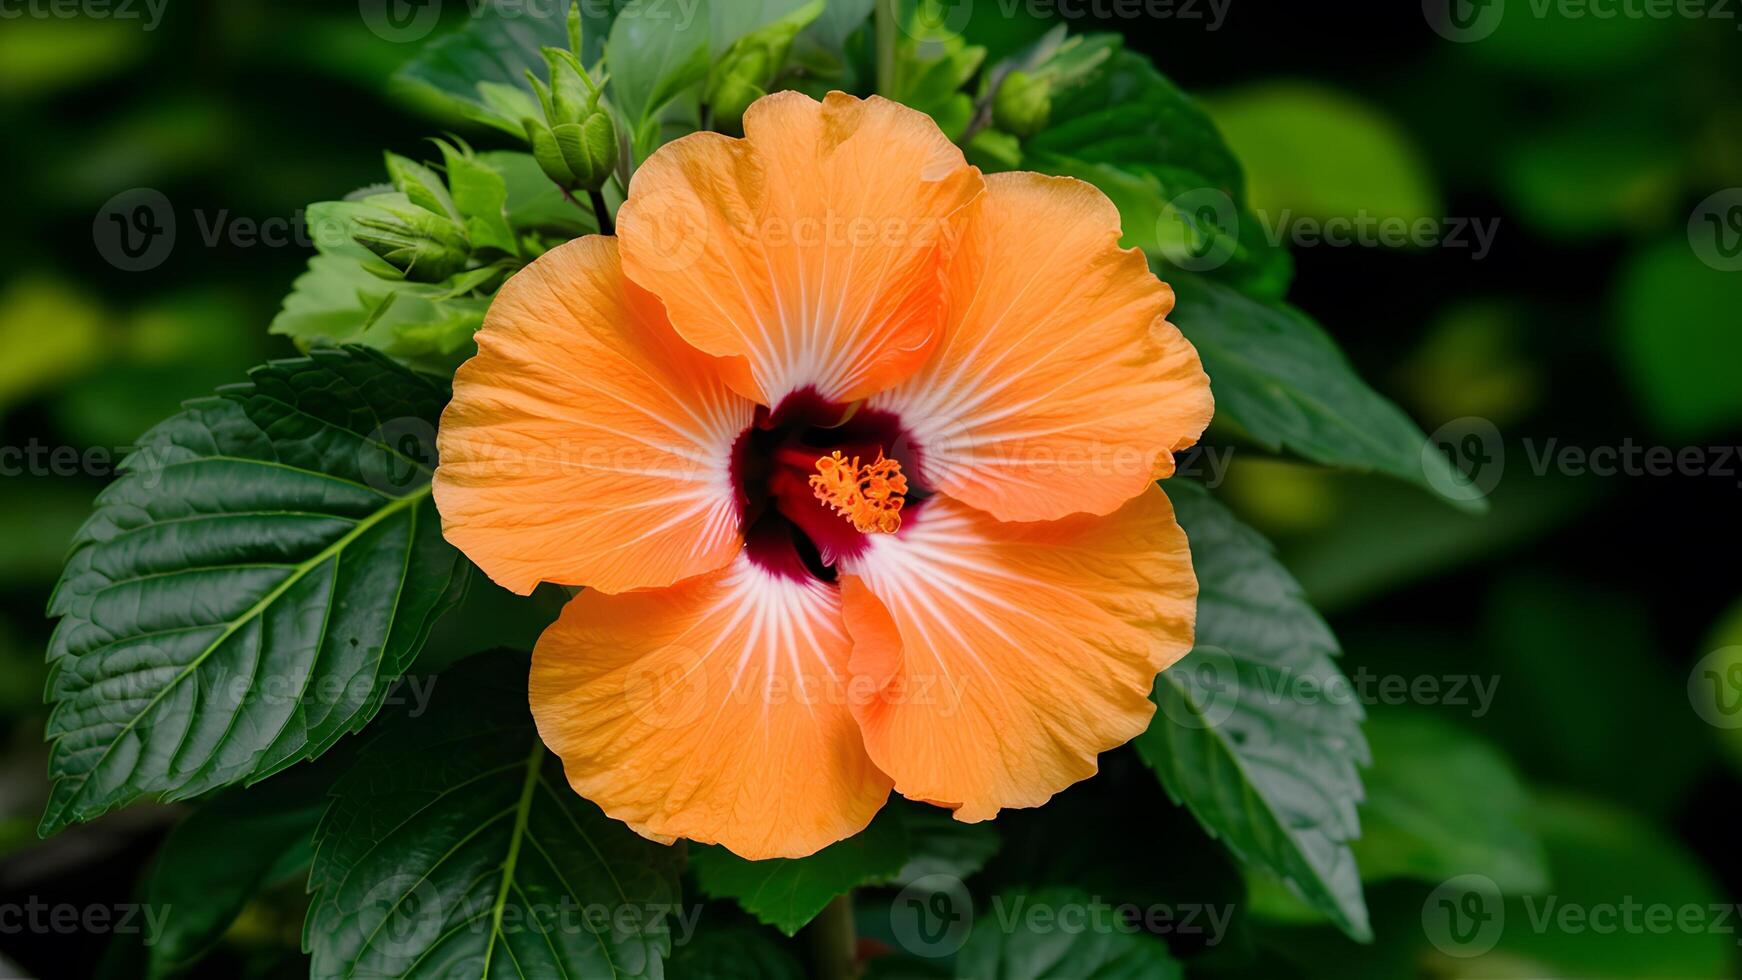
[[1246, 736], [748, 68], [1060, 932], [1281, 379], [1316, 152], [823, 45], [733, 954], [1129, 110], [938, 843], [657, 50], [1677, 340], [350, 296], [478, 73], [535, 204], [788, 892], [1601, 854], [480, 193], [1628, 901], [421, 185], [214, 861], [1441, 803], [840, 20], [268, 562], [660, 52], [733, 21], [1151, 149], [455, 847], [932, 64], [1083, 838]]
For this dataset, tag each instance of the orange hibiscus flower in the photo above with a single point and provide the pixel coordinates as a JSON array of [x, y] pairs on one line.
[[854, 449]]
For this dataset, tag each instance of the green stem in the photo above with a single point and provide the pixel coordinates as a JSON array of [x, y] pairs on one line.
[[602, 213], [833, 944], [888, 30]]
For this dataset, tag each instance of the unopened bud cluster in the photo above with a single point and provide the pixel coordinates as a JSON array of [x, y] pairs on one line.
[[575, 143], [422, 235]]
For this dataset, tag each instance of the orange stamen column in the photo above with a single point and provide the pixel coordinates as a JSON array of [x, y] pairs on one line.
[[871, 496]]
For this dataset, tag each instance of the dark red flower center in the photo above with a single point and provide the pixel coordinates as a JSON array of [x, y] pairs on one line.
[[800, 518]]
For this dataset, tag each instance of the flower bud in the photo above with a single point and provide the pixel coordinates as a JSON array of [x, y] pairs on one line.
[[573, 26], [573, 95], [1022, 105], [425, 247], [731, 98], [546, 152], [576, 143], [745, 69], [589, 149], [748, 68], [421, 185]]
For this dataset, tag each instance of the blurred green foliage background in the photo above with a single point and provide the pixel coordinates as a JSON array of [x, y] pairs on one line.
[[1596, 319]]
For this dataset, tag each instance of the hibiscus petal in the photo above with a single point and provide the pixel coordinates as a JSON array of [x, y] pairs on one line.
[[1006, 657], [810, 250], [714, 710], [1058, 387], [586, 443]]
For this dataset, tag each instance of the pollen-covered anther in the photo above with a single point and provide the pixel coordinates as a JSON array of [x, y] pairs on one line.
[[870, 496]]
